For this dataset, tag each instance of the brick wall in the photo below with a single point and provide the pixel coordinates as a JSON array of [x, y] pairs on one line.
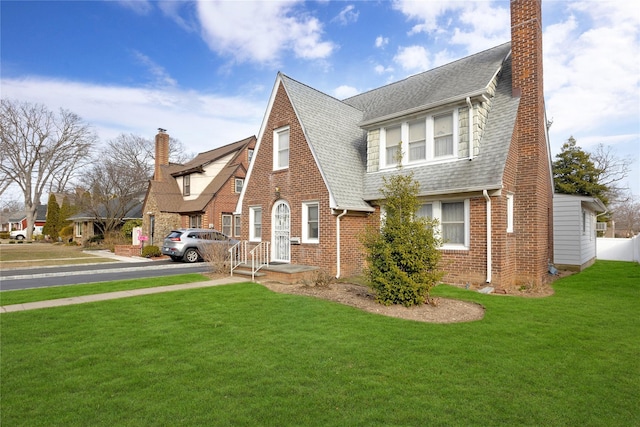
[[533, 186], [300, 182]]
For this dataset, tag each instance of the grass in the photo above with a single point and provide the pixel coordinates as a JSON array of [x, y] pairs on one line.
[[242, 355], [44, 254], [67, 291]]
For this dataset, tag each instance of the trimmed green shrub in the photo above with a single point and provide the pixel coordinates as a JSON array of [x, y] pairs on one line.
[[151, 251], [402, 256]]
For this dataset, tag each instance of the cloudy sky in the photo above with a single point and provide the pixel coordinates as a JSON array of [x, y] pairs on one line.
[[204, 70]]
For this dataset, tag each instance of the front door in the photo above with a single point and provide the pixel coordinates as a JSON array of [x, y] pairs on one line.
[[281, 232]]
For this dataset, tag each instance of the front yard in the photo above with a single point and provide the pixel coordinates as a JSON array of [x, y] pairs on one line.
[[243, 355]]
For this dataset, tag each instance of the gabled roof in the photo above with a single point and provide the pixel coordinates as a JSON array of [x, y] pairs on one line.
[[167, 192], [335, 130], [132, 208], [468, 76], [41, 214], [338, 144], [485, 171]]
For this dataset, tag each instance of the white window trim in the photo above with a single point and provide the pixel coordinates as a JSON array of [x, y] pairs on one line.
[[305, 219], [252, 214], [509, 213], [235, 185], [276, 146], [430, 148], [437, 214], [237, 226]]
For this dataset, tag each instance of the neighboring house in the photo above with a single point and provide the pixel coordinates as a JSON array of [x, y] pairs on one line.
[[201, 193], [473, 133], [88, 224], [6, 219], [19, 222], [574, 230]]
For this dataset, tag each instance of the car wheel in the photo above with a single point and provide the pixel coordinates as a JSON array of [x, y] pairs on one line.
[[19, 237], [191, 255], [175, 258]]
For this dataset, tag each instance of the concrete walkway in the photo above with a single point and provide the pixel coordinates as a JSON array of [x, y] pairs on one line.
[[119, 294]]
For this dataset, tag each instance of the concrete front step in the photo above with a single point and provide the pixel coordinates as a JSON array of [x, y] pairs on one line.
[[284, 273]]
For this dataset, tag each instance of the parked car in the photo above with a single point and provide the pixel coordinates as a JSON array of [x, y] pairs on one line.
[[190, 244], [22, 234]]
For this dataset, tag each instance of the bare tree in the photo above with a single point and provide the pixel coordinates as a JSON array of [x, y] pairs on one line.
[[117, 180], [40, 149], [613, 169], [626, 214]]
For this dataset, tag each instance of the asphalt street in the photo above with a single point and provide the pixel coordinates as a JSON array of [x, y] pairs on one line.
[[27, 278]]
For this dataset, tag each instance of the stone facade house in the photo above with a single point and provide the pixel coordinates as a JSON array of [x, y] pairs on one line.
[[201, 193], [473, 133]]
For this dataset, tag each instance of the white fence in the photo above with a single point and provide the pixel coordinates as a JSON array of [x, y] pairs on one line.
[[618, 249]]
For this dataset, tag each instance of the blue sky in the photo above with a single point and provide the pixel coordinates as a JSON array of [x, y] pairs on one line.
[[204, 70]]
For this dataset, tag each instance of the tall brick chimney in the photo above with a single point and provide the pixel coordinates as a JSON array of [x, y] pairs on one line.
[[534, 187], [162, 153]]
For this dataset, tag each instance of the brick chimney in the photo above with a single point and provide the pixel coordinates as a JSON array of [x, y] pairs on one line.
[[534, 187], [162, 153]]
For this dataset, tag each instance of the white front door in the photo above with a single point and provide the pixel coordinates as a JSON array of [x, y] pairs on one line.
[[281, 232]]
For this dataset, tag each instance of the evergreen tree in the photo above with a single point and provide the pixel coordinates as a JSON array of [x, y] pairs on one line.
[[53, 216], [402, 256], [575, 173], [66, 210]]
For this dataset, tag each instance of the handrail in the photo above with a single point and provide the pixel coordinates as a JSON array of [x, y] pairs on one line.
[[262, 253], [238, 255]]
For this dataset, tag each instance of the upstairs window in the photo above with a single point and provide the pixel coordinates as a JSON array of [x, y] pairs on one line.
[[443, 135], [186, 185], [393, 136], [426, 139], [238, 185], [249, 155], [281, 149], [417, 140]]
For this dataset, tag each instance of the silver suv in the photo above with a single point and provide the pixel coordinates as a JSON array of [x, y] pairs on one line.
[[189, 244]]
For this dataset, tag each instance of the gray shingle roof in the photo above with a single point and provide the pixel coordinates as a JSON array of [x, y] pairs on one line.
[[334, 129], [485, 171], [455, 80], [339, 144]]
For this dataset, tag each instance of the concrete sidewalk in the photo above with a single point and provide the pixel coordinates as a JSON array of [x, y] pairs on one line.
[[115, 295]]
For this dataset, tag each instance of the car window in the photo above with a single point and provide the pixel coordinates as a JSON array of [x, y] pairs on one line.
[[193, 235], [174, 234], [220, 236]]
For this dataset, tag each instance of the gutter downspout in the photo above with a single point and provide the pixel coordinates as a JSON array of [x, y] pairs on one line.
[[470, 128], [488, 199], [344, 212]]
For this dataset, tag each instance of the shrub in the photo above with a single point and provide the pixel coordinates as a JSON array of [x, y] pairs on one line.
[[151, 251], [4, 235], [402, 256], [217, 257], [127, 227]]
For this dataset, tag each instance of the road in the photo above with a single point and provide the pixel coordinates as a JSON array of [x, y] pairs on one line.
[[91, 273]]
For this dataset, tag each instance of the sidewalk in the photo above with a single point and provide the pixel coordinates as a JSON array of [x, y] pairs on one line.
[[115, 295]]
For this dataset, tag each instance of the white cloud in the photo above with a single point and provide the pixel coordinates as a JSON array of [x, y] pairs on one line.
[[344, 91], [412, 59], [347, 15], [201, 121], [381, 69], [427, 12], [381, 42], [261, 31], [141, 7], [160, 75]]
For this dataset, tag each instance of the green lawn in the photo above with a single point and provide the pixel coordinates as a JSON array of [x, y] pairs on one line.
[[242, 355]]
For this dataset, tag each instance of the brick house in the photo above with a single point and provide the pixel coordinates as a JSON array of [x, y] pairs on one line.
[[474, 135], [201, 193]]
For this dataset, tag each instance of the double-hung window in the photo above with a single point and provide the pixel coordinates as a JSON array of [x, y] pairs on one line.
[[393, 136], [453, 220], [310, 222], [239, 182], [255, 224], [281, 148], [443, 135], [186, 185], [426, 139], [237, 226], [195, 221], [226, 224], [417, 140]]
